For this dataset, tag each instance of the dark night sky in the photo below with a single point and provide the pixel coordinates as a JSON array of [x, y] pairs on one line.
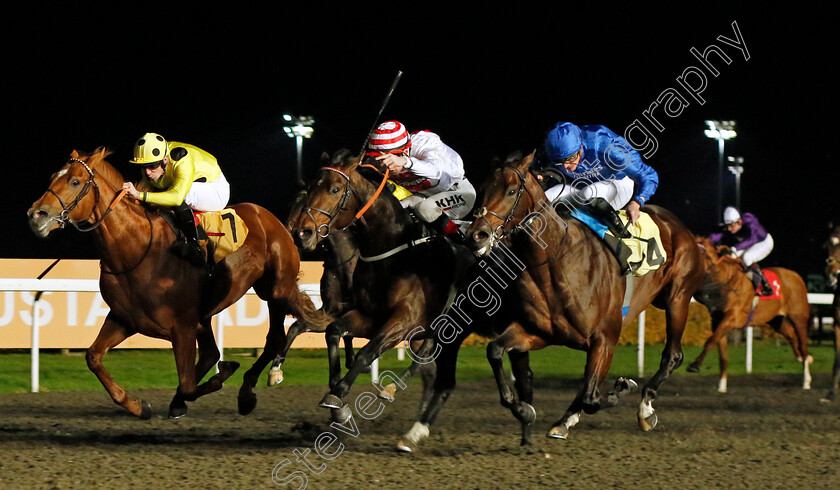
[[487, 82]]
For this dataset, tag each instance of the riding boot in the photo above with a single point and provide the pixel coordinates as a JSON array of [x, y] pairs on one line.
[[760, 282], [446, 227], [605, 211], [189, 249]]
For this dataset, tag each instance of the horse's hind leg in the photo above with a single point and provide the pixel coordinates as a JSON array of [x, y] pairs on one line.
[[795, 330], [723, 364], [275, 374], [835, 377], [275, 340], [208, 356], [444, 384], [110, 335]]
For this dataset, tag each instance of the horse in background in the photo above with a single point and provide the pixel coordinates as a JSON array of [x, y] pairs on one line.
[[152, 292], [733, 303], [832, 272]]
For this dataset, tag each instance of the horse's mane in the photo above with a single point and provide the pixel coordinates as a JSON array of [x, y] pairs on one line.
[[107, 171]]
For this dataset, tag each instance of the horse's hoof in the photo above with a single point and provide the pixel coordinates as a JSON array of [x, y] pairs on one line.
[[246, 404], [330, 401], [275, 376], [342, 414], [388, 392], [145, 410], [528, 414], [828, 398], [693, 368], [558, 432], [648, 423], [626, 384], [404, 446], [226, 369], [177, 411]]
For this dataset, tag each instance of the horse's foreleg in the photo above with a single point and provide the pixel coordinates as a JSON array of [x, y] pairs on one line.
[[721, 325], [275, 340], [208, 356], [349, 353], [522, 410], [524, 384], [421, 349], [676, 315], [110, 335]]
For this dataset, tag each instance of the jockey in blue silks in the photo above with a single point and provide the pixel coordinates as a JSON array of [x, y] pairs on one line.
[[603, 173]]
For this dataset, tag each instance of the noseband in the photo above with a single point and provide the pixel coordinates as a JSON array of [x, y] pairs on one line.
[[324, 229]]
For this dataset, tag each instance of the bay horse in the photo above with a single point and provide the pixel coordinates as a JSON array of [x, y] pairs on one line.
[[737, 305], [569, 292], [832, 271], [402, 279], [152, 292], [340, 256]]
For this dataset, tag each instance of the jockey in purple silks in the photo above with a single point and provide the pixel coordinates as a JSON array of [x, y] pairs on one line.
[[749, 241]]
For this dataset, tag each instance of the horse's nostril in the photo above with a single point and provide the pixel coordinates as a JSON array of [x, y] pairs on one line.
[[480, 235]]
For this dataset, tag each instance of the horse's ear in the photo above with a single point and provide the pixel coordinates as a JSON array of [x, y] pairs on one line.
[[529, 159], [325, 159], [525, 163], [75, 154]]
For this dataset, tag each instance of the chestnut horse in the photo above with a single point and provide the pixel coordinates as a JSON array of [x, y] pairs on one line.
[[570, 292], [402, 279], [832, 271], [737, 305], [152, 292]]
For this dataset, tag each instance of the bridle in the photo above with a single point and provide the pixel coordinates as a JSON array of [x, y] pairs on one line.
[[324, 229], [499, 232], [63, 218]]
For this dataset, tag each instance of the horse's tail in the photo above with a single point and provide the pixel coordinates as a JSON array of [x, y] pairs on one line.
[[302, 308]]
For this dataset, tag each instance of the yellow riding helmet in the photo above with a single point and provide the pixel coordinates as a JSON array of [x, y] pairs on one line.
[[150, 148]]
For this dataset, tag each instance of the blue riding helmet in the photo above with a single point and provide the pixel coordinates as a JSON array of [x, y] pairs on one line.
[[563, 141]]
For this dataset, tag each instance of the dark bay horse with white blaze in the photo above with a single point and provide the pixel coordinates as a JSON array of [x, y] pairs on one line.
[[571, 290], [734, 304], [402, 278], [152, 292]]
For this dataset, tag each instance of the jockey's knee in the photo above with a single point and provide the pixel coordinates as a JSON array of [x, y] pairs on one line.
[[428, 210]]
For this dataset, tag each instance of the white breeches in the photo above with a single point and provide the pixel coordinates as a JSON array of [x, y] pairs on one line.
[[757, 252], [616, 192], [209, 196], [456, 203]]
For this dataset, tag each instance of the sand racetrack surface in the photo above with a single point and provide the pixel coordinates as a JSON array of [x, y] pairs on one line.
[[766, 432]]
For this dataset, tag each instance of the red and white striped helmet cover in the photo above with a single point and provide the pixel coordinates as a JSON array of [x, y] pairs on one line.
[[388, 137]]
